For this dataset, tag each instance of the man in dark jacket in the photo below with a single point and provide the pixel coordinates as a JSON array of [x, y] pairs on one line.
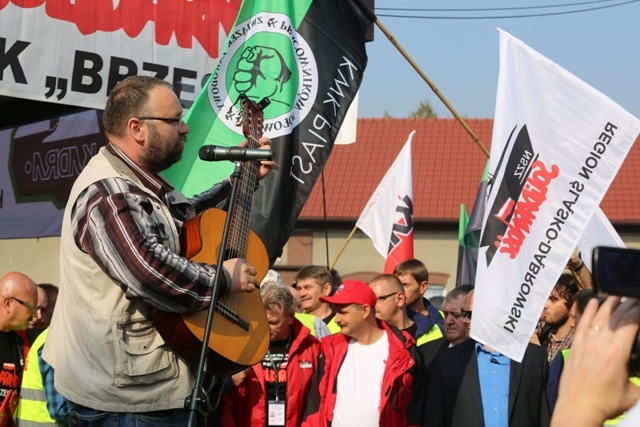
[[372, 374], [472, 385]]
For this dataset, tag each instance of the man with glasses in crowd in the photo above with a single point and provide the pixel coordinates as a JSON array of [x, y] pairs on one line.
[[392, 308], [19, 306], [456, 327], [391, 305], [472, 385]]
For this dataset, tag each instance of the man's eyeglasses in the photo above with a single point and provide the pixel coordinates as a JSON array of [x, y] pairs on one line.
[[384, 297], [466, 314], [169, 120], [29, 305], [455, 314]]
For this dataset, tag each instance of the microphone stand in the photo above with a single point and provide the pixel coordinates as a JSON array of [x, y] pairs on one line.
[[199, 397]]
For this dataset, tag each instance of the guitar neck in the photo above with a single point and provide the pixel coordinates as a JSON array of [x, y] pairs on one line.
[[240, 217]]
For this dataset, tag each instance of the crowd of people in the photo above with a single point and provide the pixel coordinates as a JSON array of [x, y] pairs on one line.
[[372, 371], [340, 352]]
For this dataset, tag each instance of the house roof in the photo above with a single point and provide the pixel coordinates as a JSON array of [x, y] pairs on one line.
[[447, 168]]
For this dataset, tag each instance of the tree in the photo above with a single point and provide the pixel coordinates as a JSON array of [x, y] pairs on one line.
[[424, 110]]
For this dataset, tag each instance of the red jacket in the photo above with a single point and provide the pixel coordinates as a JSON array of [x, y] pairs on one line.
[[245, 406], [403, 382]]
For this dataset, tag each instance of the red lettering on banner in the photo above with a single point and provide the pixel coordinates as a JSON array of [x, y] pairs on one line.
[[199, 19], [533, 195]]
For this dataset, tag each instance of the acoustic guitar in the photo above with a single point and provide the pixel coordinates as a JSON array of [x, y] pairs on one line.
[[240, 332]]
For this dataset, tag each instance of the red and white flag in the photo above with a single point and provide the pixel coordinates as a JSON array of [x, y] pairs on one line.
[[388, 216]]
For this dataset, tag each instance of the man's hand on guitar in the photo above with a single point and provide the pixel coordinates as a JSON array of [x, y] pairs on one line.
[[265, 165], [243, 275]]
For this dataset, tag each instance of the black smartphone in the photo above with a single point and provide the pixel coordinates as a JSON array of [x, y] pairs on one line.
[[616, 271]]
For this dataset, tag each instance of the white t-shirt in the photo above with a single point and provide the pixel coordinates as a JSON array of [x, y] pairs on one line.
[[359, 384]]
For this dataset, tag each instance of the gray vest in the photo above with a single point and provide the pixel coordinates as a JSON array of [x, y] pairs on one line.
[[105, 349]]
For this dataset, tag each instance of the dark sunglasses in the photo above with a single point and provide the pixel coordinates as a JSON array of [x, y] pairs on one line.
[[466, 314]]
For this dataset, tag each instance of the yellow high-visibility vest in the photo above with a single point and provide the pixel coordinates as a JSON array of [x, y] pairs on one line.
[[32, 405], [432, 334]]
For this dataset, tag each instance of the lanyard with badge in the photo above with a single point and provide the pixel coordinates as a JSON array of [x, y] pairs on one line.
[[276, 409]]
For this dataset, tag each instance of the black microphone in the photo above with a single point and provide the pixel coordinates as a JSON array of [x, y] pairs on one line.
[[214, 153]]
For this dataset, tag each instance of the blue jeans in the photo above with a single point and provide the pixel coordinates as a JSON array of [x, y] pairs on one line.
[[80, 416]]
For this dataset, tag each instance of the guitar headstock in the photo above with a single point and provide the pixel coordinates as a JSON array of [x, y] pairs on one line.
[[252, 118]]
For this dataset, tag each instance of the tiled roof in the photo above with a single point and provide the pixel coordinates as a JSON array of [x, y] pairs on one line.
[[621, 204], [447, 167]]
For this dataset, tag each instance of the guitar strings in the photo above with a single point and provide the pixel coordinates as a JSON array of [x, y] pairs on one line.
[[238, 234]]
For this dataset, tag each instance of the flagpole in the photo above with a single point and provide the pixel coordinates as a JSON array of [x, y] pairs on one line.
[[435, 90], [574, 273], [424, 76], [343, 246], [448, 105], [433, 87]]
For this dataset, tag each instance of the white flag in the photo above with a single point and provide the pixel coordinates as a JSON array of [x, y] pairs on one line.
[[557, 145], [388, 216], [599, 232], [348, 129]]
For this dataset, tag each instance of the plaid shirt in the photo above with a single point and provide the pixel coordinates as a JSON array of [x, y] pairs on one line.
[[555, 346], [112, 223], [57, 405]]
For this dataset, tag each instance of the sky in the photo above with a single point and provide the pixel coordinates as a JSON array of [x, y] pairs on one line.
[[461, 56]]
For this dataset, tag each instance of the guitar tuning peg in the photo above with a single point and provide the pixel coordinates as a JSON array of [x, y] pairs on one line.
[[240, 120], [263, 103]]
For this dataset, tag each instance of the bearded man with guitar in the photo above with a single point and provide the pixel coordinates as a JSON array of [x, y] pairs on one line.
[[122, 259]]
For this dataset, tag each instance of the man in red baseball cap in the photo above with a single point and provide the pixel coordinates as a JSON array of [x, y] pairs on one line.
[[372, 373]]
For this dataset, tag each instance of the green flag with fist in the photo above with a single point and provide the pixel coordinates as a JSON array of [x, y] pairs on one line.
[[307, 57]]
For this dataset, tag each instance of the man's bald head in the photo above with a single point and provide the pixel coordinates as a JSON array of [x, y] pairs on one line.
[[19, 301], [391, 299], [16, 280], [387, 282]]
